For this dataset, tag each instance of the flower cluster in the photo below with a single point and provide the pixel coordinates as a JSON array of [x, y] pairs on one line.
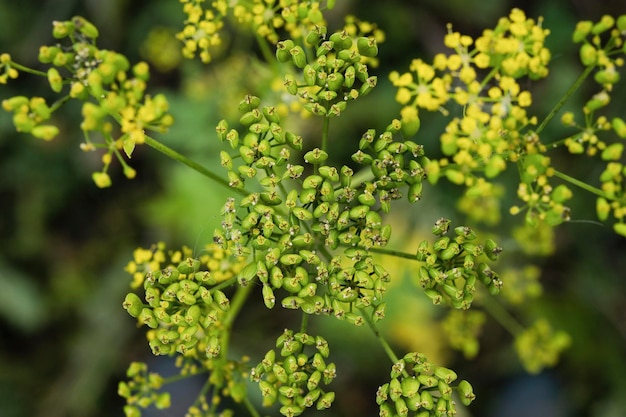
[[8, 71], [338, 73], [100, 78], [295, 377], [479, 145], [539, 346], [452, 266], [142, 390], [462, 329], [203, 24], [419, 388], [602, 52]]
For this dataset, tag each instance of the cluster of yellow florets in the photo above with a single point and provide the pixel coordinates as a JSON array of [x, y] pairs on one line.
[[486, 136], [201, 34], [220, 262]]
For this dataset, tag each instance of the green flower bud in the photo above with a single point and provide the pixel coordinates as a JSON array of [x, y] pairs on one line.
[[45, 132], [588, 54], [612, 152], [213, 347], [620, 229], [583, 29], [605, 23], [607, 76], [55, 80], [386, 410], [401, 407]]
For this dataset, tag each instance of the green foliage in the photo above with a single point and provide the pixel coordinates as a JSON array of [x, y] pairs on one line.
[[305, 232]]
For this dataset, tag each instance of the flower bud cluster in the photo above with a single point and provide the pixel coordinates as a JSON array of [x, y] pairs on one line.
[[462, 329], [111, 90], [539, 347], [337, 74], [182, 304], [296, 375], [7, 71], [418, 388], [452, 266], [205, 20], [142, 390], [292, 224]]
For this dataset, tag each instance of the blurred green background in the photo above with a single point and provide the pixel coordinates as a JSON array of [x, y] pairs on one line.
[[65, 341]]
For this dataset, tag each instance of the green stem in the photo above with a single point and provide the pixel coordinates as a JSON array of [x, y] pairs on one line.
[[237, 302], [22, 68], [305, 322], [153, 143], [501, 315], [325, 133], [267, 54], [250, 407], [564, 99], [383, 342], [582, 185], [395, 253]]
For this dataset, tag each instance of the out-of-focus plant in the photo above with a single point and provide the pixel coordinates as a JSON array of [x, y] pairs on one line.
[[307, 233]]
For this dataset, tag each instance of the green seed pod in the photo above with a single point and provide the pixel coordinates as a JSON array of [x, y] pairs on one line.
[[213, 347], [324, 48], [358, 212], [395, 389], [233, 138], [221, 300], [295, 141], [282, 50], [298, 56], [466, 392], [341, 40], [146, 316], [367, 46], [368, 85], [325, 401], [85, 27], [310, 75], [373, 219], [409, 386], [302, 213], [441, 407], [445, 374], [291, 85], [276, 277], [188, 266], [185, 297], [492, 250], [401, 408], [253, 116], [249, 103], [427, 400], [415, 192], [268, 296], [133, 304], [335, 81], [314, 380], [450, 252]]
